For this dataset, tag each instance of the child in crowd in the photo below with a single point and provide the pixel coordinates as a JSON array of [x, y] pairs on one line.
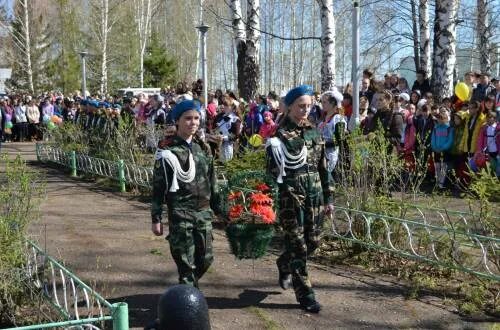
[[489, 141], [441, 143]]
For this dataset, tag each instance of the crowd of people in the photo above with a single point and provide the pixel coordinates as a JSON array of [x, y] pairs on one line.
[[453, 134]]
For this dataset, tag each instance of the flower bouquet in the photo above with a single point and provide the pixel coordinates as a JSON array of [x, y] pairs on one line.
[[251, 218]]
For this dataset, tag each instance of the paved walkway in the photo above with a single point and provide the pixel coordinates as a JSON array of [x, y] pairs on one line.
[[105, 238]]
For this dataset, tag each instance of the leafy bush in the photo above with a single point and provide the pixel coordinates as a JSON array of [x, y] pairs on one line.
[[20, 194]]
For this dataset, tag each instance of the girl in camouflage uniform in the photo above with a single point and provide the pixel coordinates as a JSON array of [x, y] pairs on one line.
[[184, 177], [297, 161]]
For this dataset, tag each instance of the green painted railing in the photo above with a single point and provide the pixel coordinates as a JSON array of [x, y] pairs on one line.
[[433, 235], [449, 246], [121, 171], [76, 303]]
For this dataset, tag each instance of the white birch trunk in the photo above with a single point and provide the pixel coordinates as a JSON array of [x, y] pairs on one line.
[[327, 45], [238, 25], [270, 56], [416, 47], [143, 21], [200, 21], [27, 45], [425, 36], [484, 35], [444, 58], [247, 47], [104, 47]]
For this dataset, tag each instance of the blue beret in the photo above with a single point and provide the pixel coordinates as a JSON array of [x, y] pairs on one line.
[[297, 92], [184, 106], [93, 103], [117, 106]]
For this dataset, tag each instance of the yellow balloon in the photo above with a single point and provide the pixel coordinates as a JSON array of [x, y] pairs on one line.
[[255, 140], [462, 91]]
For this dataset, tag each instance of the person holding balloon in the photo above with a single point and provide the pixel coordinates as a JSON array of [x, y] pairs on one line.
[[33, 115]]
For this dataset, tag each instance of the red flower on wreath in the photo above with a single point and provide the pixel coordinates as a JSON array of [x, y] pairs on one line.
[[235, 211], [262, 187], [234, 195], [260, 198], [265, 212]]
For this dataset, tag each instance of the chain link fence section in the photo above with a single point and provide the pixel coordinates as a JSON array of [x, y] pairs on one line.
[[439, 244]]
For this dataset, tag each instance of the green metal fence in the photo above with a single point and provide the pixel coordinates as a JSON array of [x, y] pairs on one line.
[[433, 235], [76, 304], [447, 245], [121, 171]]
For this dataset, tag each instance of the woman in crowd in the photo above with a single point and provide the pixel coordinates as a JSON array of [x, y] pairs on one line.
[[229, 128], [333, 128], [489, 140], [414, 97], [33, 115], [21, 120], [407, 145], [268, 127]]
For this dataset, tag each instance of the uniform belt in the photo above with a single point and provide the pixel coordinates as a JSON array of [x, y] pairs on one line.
[[302, 170]]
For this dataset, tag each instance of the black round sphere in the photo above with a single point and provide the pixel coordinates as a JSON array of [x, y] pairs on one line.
[[183, 307]]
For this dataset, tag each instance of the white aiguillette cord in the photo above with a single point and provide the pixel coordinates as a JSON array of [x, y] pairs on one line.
[[172, 160], [284, 159]]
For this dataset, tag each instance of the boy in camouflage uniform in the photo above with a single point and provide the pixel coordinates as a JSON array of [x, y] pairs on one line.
[[297, 160], [184, 177]]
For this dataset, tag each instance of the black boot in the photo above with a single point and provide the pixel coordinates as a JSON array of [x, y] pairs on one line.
[[309, 304]]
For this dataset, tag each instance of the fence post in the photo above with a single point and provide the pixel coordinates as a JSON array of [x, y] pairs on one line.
[[37, 150], [120, 316], [73, 163], [121, 175]]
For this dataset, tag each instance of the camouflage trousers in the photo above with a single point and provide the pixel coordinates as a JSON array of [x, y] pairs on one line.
[[299, 210], [190, 238]]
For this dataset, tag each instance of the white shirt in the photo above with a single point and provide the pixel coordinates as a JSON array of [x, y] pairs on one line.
[[20, 113]]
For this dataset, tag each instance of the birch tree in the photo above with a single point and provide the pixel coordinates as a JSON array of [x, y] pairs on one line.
[[143, 21], [247, 47], [425, 44], [327, 45], [21, 39], [444, 56], [484, 35], [100, 29]]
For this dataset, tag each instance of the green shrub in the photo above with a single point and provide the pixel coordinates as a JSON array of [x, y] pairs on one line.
[[20, 194]]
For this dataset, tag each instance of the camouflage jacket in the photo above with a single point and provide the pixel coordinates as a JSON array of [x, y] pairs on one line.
[[199, 194], [294, 137]]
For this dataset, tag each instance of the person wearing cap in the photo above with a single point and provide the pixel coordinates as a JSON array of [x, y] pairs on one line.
[[296, 159], [333, 127], [184, 177]]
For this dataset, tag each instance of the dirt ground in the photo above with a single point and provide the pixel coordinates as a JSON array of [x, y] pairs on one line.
[[104, 237]]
